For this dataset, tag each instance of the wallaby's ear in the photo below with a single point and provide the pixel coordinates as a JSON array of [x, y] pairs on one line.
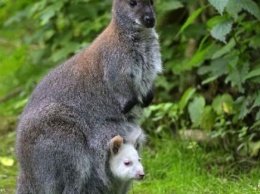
[[136, 135], [115, 143]]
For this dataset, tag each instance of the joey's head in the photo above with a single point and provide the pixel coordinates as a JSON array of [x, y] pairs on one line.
[[138, 13], [124, 160]]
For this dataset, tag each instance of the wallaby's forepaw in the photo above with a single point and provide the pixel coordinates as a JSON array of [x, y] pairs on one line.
[[147, 100], [129, 105]]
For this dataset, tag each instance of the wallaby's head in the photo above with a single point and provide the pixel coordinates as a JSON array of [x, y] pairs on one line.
[[139, 13], [124, 160]]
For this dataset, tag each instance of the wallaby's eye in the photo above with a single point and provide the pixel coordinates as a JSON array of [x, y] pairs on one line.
[[151, 2], [133, 3], [139, 159], [127, 163]]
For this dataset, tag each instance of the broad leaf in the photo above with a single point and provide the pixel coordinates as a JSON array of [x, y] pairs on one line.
[[251, 7], [223, 104], [221, 30], [196, 108], [219, 5], [235, 6], [242, 107]]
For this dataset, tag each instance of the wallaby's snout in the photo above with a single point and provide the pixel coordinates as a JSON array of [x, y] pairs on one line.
[[148, 15], [149, 20], [140, 176]]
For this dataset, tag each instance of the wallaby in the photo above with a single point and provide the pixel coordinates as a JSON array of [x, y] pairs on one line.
[[85, 102]]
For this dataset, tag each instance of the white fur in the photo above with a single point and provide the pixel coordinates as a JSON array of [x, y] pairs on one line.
[[126, 153], [138, 22]]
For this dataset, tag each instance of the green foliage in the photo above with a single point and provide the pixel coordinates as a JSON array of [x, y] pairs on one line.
[[216, 54], [64, 27]]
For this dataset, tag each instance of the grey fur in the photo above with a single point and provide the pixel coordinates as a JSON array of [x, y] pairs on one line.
[[78, 107]]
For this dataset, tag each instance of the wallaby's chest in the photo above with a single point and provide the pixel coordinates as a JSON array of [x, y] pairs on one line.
[[147, 64]]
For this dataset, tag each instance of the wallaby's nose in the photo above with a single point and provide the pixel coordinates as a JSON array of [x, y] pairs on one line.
[[140, 176], [149, 21]]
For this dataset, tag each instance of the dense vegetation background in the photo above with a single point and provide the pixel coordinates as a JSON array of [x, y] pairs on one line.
[[206, 112]]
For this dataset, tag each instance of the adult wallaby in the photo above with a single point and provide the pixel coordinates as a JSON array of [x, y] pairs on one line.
[[72, 109]]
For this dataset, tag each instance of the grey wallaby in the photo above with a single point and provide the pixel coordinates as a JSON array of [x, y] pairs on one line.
[[63, 133]]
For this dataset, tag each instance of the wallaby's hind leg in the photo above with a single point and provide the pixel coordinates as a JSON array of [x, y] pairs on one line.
[[59, 165]]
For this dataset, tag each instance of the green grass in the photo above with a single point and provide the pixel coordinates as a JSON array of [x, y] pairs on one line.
[[8, 173], [171, 166], [178, 167]]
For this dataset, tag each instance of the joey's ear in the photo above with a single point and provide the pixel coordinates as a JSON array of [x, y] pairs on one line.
[[115, 143]]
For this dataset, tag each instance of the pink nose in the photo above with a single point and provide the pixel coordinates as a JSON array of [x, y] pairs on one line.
[[140, 176]]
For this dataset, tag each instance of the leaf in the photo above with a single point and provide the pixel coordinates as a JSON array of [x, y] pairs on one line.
[[235, 6], [255, 41], [50, 11], [190, 19], [237, 73], [171, 5], [219, 5], [257, 101], [208, 119], [219, 66], [6, 161], [251, 7], [253, 73], [242, 107], [254, 148], [196, 108], [213, 21], [200, 56], [221, 30], [186, 97], [223, 104], [209, 80], [257, 117], [225, 49]]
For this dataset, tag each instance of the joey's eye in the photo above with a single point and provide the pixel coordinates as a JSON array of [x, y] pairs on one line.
[[139, 159], [127, 163], [133, 3], [151, 2]]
